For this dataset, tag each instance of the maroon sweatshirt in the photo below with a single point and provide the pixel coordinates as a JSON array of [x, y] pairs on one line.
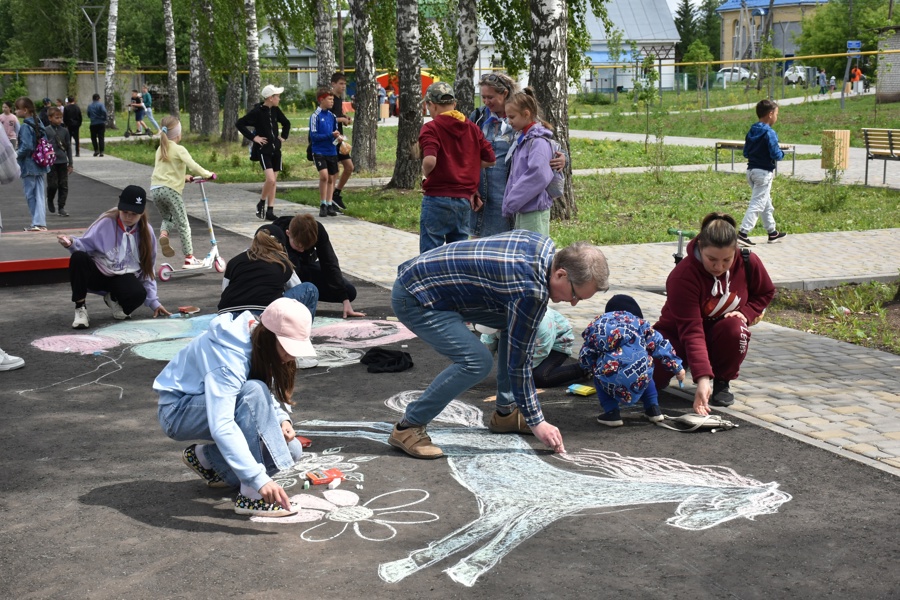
[[691, 300], [460, 148]]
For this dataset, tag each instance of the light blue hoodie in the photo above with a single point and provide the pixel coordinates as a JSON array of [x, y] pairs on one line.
[[216, 365]]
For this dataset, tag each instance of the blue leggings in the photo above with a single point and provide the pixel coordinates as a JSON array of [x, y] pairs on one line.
[[608, 403]]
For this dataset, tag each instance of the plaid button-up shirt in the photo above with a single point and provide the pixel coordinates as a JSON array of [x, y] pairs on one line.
[[507, 274]]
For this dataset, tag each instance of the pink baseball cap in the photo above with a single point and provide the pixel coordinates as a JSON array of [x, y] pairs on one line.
[[291, 323]]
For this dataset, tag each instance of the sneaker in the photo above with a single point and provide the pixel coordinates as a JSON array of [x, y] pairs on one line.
[[192, 262], [306, 363], [611, 419], [776, 235], [259, 508], [721, 394], [81, 319], [270, 214], [212, 479], [653, 413], [36, 228], [742, 238], [8, 363], [261, 209], [336, 208], [514, 422], [101, 155], [165, 246], [116, 308], [338, 199], [51, 208], [63, 213], [415, 442], [330, 209], [323, 211], [96, 153]]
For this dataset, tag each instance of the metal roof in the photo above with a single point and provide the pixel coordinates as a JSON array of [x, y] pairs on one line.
[[736, 4], [639, 20]]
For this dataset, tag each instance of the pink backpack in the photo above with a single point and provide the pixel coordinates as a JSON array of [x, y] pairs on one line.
[[43, 155]]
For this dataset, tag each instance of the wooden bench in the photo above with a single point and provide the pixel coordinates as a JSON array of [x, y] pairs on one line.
[[787, 148], [881, 144]]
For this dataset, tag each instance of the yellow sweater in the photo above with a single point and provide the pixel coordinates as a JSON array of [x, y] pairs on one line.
[[171, 173]]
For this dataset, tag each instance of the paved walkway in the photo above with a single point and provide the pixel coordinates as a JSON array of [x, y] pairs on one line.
[[838, 396]]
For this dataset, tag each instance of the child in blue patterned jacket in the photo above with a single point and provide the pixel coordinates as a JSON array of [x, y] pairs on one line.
[[617, 349]]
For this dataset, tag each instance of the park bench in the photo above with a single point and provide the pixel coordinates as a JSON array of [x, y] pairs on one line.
[[881, 144], [740, 146]]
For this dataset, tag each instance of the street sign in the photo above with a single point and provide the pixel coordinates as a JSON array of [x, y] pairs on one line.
[[854, 46]]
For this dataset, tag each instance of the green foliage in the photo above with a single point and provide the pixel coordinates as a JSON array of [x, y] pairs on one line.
[[383, 14], [16, 88], [709, 26], [686, 24], [699, 53], [437, 37]]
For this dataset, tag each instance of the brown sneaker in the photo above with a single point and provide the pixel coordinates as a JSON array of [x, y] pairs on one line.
[[415, 442], [514, 422]]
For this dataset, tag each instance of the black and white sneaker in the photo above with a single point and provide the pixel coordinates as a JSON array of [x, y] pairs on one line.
[[776, 235], [261, 209], [744, 239], [338, 199], [611, 419], [721, 393], [330, 209], [323, 211]]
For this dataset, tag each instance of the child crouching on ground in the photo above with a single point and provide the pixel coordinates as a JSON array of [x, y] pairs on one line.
[[167, 185], [617, 349]]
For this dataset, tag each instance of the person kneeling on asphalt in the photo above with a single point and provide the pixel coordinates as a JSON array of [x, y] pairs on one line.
[[115, 257], [505, 282], [229, 387]]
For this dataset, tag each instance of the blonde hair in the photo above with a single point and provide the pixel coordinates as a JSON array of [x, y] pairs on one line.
[[169, 123], [525, 101], [267, 248]]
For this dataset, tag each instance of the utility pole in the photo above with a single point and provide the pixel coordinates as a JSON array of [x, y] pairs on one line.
[[93, 23]]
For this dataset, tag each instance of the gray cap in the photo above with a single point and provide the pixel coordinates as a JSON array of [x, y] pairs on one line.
[[440, 92]]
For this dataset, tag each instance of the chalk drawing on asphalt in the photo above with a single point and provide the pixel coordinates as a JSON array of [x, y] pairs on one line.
[[339, 511], [68, 384], [500, 471]]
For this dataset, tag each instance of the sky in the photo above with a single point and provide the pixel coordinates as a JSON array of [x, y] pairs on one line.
[[673, 4]]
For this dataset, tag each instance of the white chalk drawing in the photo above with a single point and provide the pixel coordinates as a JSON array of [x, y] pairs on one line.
[[328, 459], [373, 520], [68, 384], [500, 470], [338, 342]]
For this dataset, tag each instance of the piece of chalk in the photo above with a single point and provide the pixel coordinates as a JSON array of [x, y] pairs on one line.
[[681, 384], [404, 346], [306, 484], [334, 484]]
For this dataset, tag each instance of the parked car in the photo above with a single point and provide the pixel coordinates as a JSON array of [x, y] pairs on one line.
[[734, 74], [795, 74]]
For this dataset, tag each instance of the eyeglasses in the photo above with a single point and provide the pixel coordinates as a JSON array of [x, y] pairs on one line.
[[575, 297], [494, 79]]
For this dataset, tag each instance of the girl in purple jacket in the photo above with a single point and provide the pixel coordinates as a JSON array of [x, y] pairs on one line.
[[526, 199]]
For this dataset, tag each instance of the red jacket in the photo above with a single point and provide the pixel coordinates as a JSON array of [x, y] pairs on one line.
[[460, 147], [690, 302]]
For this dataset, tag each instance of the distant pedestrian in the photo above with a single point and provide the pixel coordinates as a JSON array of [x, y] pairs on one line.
[[855, 77], [34, 184], [454, 151], [43, 116], [260, 126], [822, 81], [382, 98], [10, 123], [339, 87], [72, 119], [137, 105], [763, 153], [97, 115], [324, 138], [832, 84], [147, 99], [167, 185], [58, 177]]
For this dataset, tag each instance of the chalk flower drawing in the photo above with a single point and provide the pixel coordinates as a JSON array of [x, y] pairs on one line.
[[327, 459], [340, 509]]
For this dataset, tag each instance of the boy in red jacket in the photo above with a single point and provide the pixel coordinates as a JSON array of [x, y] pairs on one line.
[[454, 151]]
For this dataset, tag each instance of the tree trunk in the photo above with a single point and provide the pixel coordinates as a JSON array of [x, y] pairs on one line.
[[466, 56], [547, 75], [209, 95], [171, 62], [408, 168], [365, 126], [204, 110], [110, 88], [194, 76], [324, 44], [253, 83], [232, 105]]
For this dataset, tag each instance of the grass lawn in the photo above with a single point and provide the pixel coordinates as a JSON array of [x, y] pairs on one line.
[[797, 124], [635, 208]]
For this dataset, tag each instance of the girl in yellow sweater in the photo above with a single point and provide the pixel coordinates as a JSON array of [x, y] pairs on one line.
[[167, 184]]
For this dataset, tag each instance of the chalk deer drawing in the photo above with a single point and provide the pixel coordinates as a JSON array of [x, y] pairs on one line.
[[500, 470]]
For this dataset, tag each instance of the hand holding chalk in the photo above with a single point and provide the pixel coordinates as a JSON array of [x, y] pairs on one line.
[[275, 494], [680, 376]]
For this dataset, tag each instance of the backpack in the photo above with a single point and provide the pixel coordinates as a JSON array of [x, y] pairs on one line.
[[557, 186], [43, 154]]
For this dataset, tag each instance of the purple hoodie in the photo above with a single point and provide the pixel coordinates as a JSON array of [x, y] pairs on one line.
[[529, 173]]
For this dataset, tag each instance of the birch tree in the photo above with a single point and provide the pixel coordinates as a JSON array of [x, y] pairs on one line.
[[466, 55], [204, 99], [407, 168], [171, 62], [253, 83], [324, 43], [110, 84], [365, 126]]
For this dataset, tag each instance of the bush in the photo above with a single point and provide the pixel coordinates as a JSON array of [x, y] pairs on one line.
[[594, 98]]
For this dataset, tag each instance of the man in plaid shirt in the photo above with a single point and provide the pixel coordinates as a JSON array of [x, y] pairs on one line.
[[503, 281]]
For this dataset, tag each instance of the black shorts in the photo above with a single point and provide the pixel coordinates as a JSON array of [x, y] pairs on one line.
[[271, 161], [343, 157], [326, 162]]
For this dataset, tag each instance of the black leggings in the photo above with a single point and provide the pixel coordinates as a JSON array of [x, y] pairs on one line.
[[553, 373], [126, 289]]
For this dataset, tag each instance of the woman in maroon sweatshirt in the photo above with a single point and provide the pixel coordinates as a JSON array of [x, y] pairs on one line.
[[711, 302]]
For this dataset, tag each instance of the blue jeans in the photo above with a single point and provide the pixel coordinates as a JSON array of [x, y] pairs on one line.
[[446, 332], [443, 220], [149, 115], [306, 294], [35, 188], [183, 418]]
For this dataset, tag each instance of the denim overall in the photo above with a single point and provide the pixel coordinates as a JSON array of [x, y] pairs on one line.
[[490, 220]]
